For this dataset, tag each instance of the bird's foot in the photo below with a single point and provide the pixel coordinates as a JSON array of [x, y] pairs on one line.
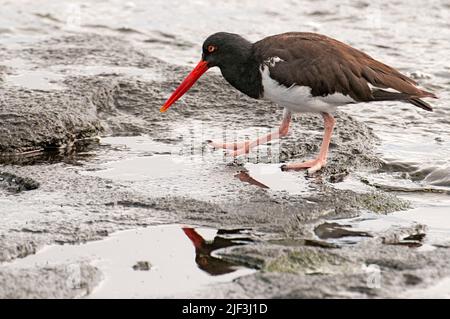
[[312, 165]]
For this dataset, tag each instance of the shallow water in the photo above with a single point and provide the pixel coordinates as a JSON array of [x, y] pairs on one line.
[[134, 265], [440, 290], [430, 225], [275, 179]]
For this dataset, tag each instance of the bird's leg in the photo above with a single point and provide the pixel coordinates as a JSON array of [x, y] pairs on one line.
[[229, 146], [283, 130], [316, 164], [245, 147]]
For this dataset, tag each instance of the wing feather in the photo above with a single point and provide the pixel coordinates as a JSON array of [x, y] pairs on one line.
[[328, 66]]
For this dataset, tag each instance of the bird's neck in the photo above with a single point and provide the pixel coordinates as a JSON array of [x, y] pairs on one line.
[[243, 73]]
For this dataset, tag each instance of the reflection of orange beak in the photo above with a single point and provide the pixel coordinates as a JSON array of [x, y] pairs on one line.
[[196, 239], [189, 81]]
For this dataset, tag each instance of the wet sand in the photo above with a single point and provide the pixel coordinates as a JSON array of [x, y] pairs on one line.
[[87, 159]]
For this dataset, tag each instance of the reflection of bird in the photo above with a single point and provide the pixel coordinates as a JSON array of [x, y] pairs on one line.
[[302, 72], [212, 265], [245, 177]]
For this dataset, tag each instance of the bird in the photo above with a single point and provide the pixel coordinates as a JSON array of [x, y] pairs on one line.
[[301, 72]]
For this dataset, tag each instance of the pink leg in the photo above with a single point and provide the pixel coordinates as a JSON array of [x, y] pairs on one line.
[[245, 147], [321, 160]]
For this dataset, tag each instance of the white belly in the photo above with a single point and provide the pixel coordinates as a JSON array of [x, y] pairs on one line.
[[298, 99]]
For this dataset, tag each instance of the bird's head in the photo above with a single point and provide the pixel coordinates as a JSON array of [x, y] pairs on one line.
[[223, 49], [220, 49]]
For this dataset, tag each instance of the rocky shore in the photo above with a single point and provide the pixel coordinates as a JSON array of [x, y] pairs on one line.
[[59, 95]]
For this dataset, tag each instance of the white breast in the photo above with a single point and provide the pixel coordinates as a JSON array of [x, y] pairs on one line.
[[299, 98]]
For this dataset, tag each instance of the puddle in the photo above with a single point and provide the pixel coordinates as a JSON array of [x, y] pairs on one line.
[[339, 232], [271, 176], [441, 290], [353, 183], [154, 262], [414, 162], [353, 230], [33, 79], [145, 160], [430, 216], [431, 227], [401, 182], [142, 168], [436, 218], [246, 178], [36, 80]]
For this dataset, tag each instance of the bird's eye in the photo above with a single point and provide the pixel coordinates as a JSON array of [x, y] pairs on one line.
[[211, 48]]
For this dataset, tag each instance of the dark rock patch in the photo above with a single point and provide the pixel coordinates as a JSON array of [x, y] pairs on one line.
[[15, 184]]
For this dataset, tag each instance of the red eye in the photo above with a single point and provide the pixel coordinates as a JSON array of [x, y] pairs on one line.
[[211, 48]]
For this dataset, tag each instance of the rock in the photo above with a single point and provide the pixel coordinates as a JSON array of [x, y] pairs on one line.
[[16, 184], [59, 281], [142, 266]]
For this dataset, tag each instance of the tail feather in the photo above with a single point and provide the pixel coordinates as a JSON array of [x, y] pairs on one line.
[[421, 103], [382, 95]]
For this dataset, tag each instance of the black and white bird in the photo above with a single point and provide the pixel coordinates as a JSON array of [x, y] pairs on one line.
[[301, 72]]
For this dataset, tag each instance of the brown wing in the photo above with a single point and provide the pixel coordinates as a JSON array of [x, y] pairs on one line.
[[328, 66]]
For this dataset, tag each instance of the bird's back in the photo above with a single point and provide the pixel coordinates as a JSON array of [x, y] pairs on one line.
[[328, 66]]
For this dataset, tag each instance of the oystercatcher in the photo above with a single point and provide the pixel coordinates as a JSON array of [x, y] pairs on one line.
[[301, 72]]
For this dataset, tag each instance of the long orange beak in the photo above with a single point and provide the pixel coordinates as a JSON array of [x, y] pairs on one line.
[[189, 81]]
